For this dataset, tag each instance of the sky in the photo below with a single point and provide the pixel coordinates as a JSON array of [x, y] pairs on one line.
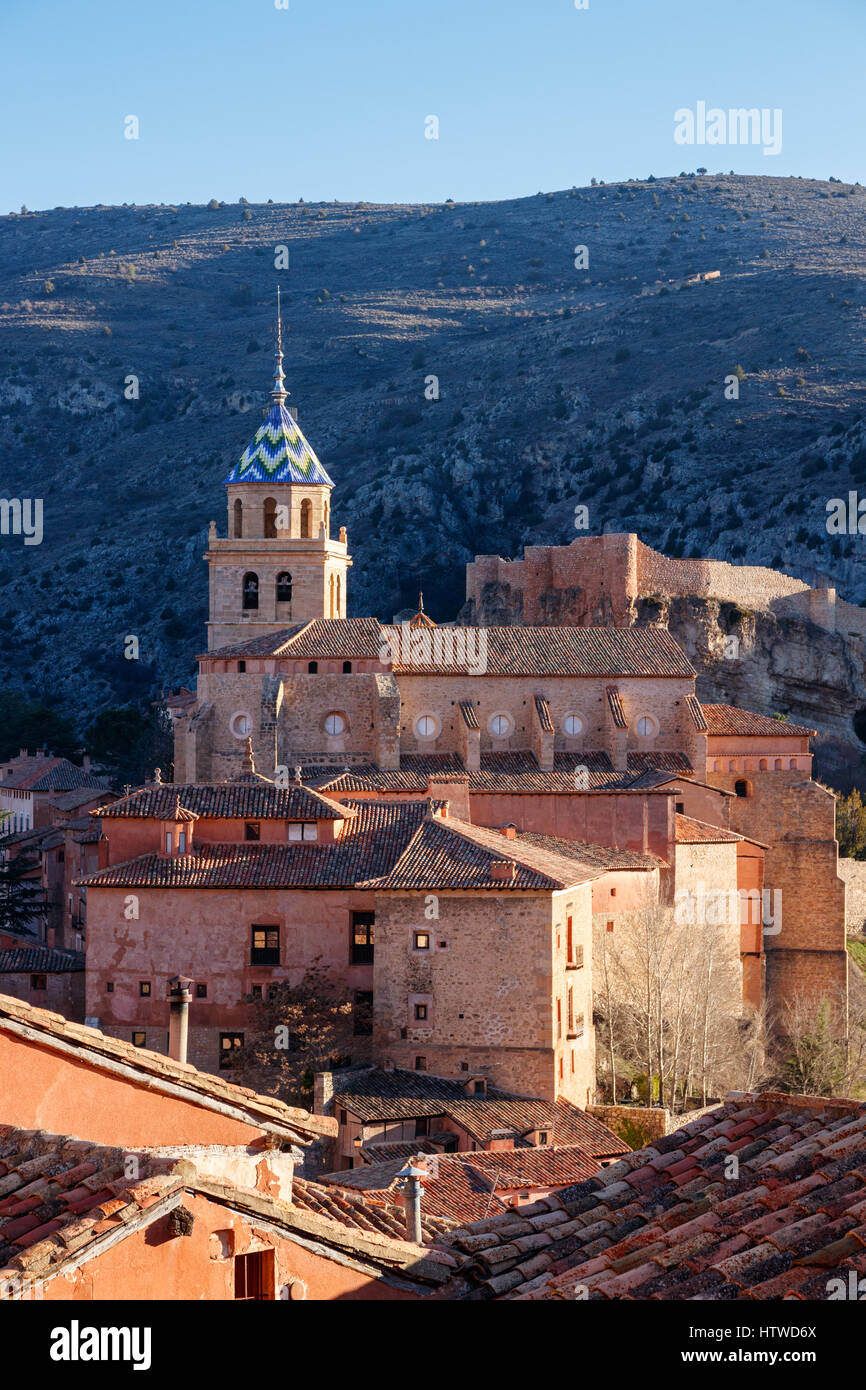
[[331, 99]]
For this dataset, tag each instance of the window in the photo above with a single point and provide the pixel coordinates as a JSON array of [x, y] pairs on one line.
[[342, 1117], [741, 788], [500, 725], [168, 842], [61, 854], [269, 518], [571, 1011], [335, 724], [139, 1040], [578, 1026], [144, 989], [608, 926], [38, 981], [109, 988], [363, 924], [181, 842], [645, 726], [230, 1043], [559, 1018], [347, 668], [201, 991], [238, 518], [762, 765], [303, 830], [421, 1012], [306, 518], [264, 945], [427, 726], [241, 725], [681, 806], [284, 587], [573, 725], [420, 1063], [256, 992], [252, 830], [251, 591], [422, 941], [362, 1015], [570, 940], [312, 668], [254, 1276], [578, 957]]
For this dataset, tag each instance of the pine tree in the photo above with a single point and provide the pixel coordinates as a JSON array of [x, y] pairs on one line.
[[22, 899]]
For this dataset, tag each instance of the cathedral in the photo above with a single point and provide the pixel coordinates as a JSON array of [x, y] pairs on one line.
[[453, 817]]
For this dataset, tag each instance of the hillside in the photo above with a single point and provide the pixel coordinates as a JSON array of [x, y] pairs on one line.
[[558, 387]]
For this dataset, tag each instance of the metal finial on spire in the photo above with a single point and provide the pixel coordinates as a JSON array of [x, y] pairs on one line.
[[279, 394]]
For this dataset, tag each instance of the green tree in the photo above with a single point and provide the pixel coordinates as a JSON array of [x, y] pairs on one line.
[[127, 743], [851, 825], [22, 898]]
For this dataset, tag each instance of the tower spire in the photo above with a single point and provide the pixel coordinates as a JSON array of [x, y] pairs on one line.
[[279, 394]]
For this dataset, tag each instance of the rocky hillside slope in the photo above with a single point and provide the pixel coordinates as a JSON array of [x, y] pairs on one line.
[[556, 387]]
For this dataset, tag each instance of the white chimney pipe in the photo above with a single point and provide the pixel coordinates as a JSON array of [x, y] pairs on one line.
[[180, 995]]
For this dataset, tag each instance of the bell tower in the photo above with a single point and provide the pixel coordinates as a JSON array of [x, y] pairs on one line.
[[277, 564]]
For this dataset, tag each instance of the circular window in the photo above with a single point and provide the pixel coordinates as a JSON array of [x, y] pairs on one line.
[[573, 724], [241, 725], [334, 724], [646, 726], [427, 726], [500, 725]]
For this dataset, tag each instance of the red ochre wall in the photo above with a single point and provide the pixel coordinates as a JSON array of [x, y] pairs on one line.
[[43, 1089]]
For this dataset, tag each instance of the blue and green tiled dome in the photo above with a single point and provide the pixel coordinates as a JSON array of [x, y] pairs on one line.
[[278, 454]]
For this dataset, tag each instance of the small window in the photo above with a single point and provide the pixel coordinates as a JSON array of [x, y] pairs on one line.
[[38, 981], [252, 830], [238, 518], [250, 592], [254, 1275], [422, 941], [363, 926], [230, 1043], [573, 725], [362, 1014], [741, 788], [543, 1137], [609, 926], [306, 518], [347, 668], [646, 726], [420, 1012], [269, 518], [109, 988], [420, 1063], [578, 957], [681, 806], [241, 725], [500, 725], [426, 726], [256, 992], [144, 989], [61, 854], [201, 991], [181, 842], [169, 841], [264, 945], [139, 1040], [578, 1026], [335, 724], [303, 830], [242, 666], [342, 1117], [312, 667]]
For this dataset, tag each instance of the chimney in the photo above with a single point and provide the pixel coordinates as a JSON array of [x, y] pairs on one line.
[[412, 1191], [22, 753], [85, 762], [388, 1064], [179, 994], [323, 1092], [452, 787], [503, 870], [509, 831]]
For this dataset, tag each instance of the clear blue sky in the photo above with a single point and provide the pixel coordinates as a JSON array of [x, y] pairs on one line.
[[328, 98]]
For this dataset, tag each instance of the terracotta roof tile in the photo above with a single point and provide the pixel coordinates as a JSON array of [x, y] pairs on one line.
[[259, 800], [696, 832], [41, 959], [744, 723]]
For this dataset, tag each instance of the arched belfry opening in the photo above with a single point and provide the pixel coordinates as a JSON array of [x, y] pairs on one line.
[[250, 592], [269, 518], [284, 587], [238, 519], [306, 518]]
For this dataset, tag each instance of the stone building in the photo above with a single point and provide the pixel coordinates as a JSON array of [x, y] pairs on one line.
[[556, 723]]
